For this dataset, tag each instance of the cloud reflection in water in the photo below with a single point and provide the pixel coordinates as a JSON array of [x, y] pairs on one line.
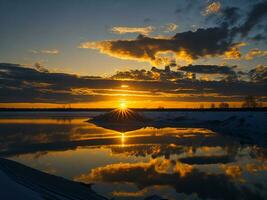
[[173, 161]]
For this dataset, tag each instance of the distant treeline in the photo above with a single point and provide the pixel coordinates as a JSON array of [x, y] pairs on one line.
[[136, 109]]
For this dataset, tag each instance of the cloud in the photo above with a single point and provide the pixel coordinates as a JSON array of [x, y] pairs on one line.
[[40, 67], [19, 84], [125, 29], [182, 177], [163, 150], [233, 171], [208, 69], [251, 167], [258, 37], [170, 27], [254, 17], [213, 72], [152, 192], [255, 53], [153, 74], [227, 16], [200, 160], [230, 15], [212, 8], [241, 23], [46, 51], [221, 40], [211, 42], [23, 84], [134, 75], [233, 53], [258, 74], [50, 51], [156, 165]]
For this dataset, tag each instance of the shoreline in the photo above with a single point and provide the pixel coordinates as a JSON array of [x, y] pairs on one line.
[[260, 109], [33, 184]]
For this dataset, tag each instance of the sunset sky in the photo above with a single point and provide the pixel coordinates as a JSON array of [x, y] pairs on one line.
[[145, 53]]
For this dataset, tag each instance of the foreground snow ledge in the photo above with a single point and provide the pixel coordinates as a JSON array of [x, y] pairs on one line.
[[20, 182]]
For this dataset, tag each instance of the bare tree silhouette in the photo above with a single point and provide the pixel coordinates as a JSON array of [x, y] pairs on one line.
[[251, 102], [223, 105]]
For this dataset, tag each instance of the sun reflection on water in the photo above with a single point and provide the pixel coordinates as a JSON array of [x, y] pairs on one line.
[[122, 139]]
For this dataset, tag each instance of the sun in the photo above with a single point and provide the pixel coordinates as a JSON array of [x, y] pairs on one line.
[[123, 106]]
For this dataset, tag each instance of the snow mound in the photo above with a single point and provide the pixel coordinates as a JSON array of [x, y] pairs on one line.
[[121, 120], [121, 116]]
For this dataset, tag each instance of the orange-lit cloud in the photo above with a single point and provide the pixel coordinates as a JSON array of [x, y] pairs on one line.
[[212, 8], [253, 53], [211, 42], [166, 191], [234, 52], [126, 29], [157, 165], [233, 171], [253, 168], [183, 178]]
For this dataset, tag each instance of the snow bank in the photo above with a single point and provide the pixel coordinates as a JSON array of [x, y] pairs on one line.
[[248, 126], [20, 182], [12, 190]]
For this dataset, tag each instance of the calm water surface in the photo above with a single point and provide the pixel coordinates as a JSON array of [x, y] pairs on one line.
[[173, 162]]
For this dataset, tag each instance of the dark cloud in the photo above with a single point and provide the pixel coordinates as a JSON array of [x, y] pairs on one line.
[[210, 42], [231, 15], [258, 37], [259, 74], [153, 74], [254, 17], [204, 160], [182, 73], [242, 23], [40, 67], [141, 74], [21, 84], [228, 16], [209, 69]]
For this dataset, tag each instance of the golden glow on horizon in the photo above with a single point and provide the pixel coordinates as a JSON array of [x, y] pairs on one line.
[[131, 103]]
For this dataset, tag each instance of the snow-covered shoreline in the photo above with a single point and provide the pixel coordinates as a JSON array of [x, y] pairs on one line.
[[20, 182], [249, 126]]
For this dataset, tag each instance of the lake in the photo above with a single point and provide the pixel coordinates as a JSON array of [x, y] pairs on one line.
[[172, 162]]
